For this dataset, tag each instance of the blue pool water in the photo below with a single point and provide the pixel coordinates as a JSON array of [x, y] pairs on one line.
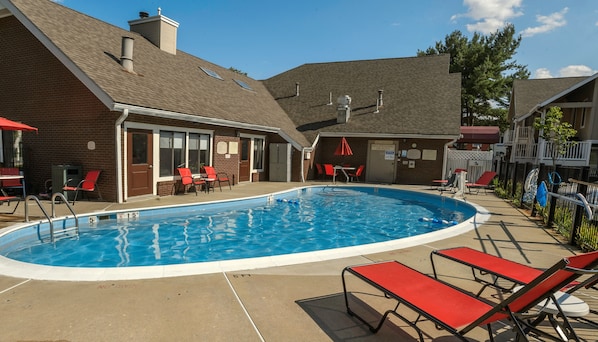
[[308, 219]]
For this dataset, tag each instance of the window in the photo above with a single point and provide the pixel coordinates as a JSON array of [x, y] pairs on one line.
[[199, 151], [172, 152], [243, 85], [212, 73], [258, 153]]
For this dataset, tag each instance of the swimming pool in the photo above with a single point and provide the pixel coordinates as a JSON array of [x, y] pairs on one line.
[[281, 228]]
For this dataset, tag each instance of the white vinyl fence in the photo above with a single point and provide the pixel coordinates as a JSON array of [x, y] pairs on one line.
[[475, 162]]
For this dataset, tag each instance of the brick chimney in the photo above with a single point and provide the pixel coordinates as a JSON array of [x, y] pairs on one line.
[[158, 29]]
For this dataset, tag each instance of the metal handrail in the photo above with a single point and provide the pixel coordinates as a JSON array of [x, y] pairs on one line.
[[50, 221], [61, 195], [50, 218]]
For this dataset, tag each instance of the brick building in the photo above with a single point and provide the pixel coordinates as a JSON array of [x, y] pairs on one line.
[[129, 103]]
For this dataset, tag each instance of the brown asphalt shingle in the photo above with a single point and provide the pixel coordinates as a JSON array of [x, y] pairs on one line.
[[526, 94], [420, 96], [167, 82]]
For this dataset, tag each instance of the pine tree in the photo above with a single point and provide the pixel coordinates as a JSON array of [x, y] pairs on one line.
[[487, 73]]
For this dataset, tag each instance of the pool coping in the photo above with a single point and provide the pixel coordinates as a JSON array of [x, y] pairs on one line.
[[13, 268]]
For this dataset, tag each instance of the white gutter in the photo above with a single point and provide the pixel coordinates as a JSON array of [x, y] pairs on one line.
[[385, 135], [119, 172], [166, 114]]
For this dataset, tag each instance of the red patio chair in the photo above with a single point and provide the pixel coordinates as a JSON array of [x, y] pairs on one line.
[[187, 180], [5, 198], [217, 176], [320, 171], [454, 310], [87, 185], [356, 174], [329, 171]]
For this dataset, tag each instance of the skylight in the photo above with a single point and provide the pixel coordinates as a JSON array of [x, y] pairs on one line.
[[243, 84], [212, 73]]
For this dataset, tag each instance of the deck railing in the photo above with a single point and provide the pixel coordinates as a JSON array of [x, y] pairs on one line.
[[576, 153]]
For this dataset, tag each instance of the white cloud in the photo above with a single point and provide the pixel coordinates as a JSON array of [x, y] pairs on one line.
[[542, 73], [548, 23], [490, 15], [568, 71], [576, 70]]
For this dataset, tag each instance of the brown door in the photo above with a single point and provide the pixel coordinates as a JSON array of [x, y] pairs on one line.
[[139, 162], [245, 160]]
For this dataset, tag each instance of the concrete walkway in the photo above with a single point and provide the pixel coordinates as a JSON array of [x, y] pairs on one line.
[[292, 303]]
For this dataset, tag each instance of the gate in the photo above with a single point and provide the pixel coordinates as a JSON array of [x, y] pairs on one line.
[[475, 162]]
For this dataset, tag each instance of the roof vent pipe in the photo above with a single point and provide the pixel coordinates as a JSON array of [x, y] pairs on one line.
[[379, 102], [126, 55], [296, 88]]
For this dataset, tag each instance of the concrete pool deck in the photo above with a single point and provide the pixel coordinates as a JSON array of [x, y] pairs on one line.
[[289, 303]]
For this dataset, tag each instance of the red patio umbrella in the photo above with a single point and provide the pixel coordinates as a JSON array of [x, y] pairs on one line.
[[343, 148], [9, 125]]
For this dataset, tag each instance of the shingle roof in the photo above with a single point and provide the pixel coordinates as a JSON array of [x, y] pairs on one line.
[[526, 94], [166, 82], [420, 96]]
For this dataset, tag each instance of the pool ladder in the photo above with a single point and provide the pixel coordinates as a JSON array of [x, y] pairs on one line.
[[62, 233]]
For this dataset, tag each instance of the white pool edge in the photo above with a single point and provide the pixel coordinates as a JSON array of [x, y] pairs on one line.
[[18, 269]]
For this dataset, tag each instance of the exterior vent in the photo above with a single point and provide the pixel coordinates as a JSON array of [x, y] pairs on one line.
[[126, 54], [379, 102], [343, 109]]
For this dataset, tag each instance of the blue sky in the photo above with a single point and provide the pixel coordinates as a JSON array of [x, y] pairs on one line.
[[266, 37]]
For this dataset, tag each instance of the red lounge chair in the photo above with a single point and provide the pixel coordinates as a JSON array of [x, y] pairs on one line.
[[89, 184], [187, 179], [12, 183], [454, 310], [483, 182], [489, 270], [7, 199], [217, 176]]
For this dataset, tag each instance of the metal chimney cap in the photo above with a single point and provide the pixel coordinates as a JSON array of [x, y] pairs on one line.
[[143, 14]]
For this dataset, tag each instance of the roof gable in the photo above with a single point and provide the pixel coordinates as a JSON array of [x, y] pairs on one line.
[[529, 93]]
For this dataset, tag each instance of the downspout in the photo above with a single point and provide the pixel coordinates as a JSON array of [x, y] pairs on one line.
[[444, 158], [119, 154], [302, 165], [303, 151]]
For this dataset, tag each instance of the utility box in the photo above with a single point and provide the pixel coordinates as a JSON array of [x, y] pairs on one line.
[[62, 174], [280, 162]]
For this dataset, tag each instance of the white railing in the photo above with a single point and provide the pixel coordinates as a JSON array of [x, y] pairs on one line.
[[525, 134], [576, 153], [525, 151], [508, 136]]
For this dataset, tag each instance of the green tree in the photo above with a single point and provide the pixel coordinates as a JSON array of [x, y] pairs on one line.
[[237, 71], [487, 73], [555, 132]]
